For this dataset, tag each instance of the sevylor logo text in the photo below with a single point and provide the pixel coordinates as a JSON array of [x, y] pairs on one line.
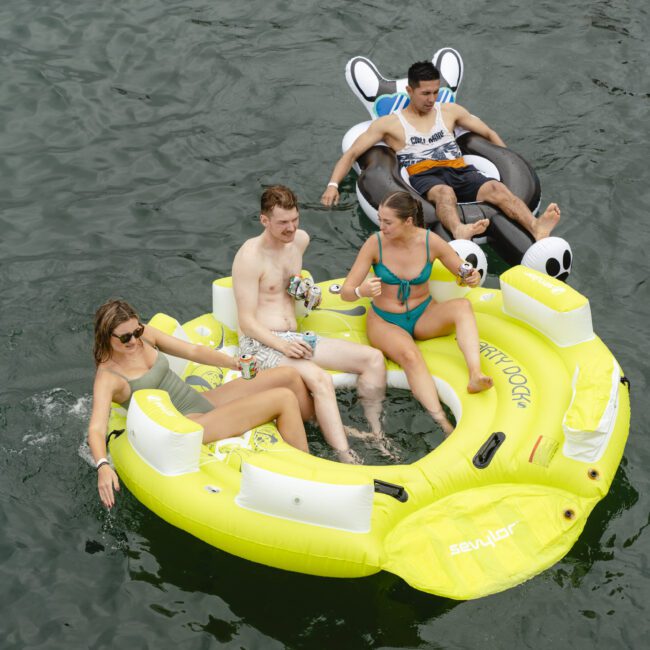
[[520, 390], [491, 539]]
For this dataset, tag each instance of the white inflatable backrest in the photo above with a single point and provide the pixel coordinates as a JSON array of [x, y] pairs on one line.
[[167, 441], [224, 307], [171, 326], [344, 507]]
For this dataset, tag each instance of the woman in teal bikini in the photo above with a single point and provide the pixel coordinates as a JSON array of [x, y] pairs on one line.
[[402, 309], [129, 356]]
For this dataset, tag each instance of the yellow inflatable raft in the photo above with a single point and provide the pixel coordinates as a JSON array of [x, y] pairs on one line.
[[505, 497]]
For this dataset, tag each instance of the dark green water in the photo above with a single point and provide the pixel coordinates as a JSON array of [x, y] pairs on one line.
[[134, 139]]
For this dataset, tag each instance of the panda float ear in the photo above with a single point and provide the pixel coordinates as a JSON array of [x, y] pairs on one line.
[[551, 255], [368, 84]]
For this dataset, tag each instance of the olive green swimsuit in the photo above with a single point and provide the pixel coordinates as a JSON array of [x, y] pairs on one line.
[[160, 376]]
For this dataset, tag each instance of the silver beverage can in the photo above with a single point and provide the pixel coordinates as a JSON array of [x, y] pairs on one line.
[[311, 338], [464, 270], [305, 285], [294, 285], [313, 297], [248, 366]]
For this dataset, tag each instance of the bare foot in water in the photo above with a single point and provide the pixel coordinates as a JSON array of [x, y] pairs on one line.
[[360, 435], [546, 222], [469, 230], [377, 440], [349, 456], [442, 421], [479, 383]]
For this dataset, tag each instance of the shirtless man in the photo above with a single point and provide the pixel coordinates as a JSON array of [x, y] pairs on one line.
[[422, 137], [261, 271]]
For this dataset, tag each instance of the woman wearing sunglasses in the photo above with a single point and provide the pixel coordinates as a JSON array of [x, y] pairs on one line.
[[128, 358]]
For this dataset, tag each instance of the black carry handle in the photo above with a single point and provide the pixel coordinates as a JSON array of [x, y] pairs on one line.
[[396, 491], [486, 453], [116, 432], [625, 381]]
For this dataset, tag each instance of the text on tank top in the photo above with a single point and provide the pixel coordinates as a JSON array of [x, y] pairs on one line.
[[437, 144]]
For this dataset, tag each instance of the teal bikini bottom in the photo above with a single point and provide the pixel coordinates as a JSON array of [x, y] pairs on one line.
[[407, 319]]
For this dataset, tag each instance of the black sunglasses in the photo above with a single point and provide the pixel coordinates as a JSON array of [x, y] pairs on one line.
[[136, 334]]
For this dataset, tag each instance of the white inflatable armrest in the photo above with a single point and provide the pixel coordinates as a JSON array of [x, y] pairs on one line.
[[166, 440], [344, 507]]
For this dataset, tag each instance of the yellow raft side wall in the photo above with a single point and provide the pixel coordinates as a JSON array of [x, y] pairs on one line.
[[184, 501], [528, 480]]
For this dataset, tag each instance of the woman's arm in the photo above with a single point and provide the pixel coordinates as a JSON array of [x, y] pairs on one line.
[[439, 248], [366, 287], [190, 351], [104, 390]]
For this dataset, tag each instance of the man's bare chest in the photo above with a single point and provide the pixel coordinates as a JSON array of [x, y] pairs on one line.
[[276, 273]]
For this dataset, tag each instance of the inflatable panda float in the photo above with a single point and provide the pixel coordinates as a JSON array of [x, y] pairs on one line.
[[379, 172]]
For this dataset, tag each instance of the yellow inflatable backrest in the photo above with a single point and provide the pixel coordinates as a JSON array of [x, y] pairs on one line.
[[555, 294], [548, 305]]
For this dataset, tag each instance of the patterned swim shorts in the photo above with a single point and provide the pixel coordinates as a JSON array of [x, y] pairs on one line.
[[267, 357]]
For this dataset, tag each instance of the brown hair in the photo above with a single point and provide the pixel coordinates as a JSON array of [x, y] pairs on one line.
[[405, 205], [107, 318], [277, 195]]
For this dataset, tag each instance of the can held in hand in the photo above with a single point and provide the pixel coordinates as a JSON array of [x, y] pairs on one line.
[[248, 366], [305, 285], [464, 271], [294, 285], [311, 338], [313, 297]]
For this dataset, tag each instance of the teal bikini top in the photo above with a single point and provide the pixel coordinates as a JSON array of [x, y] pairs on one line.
[[387, 276]]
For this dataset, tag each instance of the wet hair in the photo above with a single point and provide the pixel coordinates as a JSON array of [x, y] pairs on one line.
[[422, 71], [277, 195], [405, 205], [109, 316]]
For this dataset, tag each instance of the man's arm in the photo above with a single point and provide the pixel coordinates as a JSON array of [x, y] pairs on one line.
[[463, 118], [375, 133]]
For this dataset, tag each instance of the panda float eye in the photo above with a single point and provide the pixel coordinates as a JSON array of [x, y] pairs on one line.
[[551, 255], [472, 253]]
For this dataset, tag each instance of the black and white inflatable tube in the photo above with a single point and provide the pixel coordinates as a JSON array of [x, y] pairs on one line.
[[379, 172]]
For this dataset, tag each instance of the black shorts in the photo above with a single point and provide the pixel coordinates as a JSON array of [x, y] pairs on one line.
[[465, 181]]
